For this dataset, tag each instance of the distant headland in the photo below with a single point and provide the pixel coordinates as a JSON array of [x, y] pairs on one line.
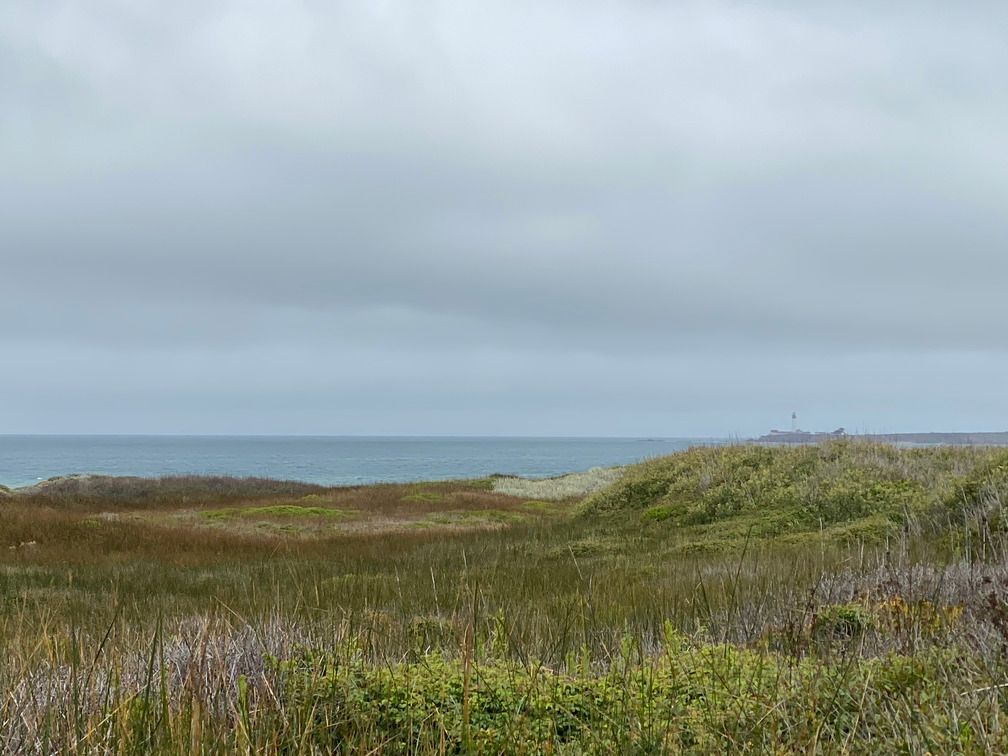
[[797, 436]]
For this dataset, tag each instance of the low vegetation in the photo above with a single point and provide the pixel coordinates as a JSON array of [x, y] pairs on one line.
[[848, 597], [570, 486], [839, 492]]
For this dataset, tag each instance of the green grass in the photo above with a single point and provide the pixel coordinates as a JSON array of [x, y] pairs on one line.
[[271, 512], [845, 491], [840, 598], [477, 517], [544, 507]]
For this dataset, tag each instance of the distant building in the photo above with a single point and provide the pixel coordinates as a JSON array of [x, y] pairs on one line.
[[798, 436]]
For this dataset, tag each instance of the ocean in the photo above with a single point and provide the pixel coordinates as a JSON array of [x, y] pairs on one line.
[[329, 460]]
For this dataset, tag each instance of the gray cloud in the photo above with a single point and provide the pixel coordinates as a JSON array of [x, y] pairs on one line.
[[393, 218]]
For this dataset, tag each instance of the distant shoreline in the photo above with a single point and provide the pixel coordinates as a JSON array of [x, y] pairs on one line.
[[983, 438]]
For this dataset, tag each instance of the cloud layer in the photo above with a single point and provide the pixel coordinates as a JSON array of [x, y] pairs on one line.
[[519, 217]]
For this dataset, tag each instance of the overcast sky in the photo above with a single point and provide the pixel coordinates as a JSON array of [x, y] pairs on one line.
[[557, 218]]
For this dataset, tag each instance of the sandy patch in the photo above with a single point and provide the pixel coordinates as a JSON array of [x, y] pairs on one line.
[[570, 486]]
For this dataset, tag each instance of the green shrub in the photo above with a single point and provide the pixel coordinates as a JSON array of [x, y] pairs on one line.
[[690, 698], [851, 490], [659, 513], [985, 487], [842, 622]]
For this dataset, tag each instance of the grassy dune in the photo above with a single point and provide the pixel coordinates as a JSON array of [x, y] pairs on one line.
[[839, 598]]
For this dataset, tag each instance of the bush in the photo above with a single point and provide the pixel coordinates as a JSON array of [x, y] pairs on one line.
[[691, 698], [854, 490]]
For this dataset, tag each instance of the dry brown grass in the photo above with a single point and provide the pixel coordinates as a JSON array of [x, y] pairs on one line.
[[84, 519]]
